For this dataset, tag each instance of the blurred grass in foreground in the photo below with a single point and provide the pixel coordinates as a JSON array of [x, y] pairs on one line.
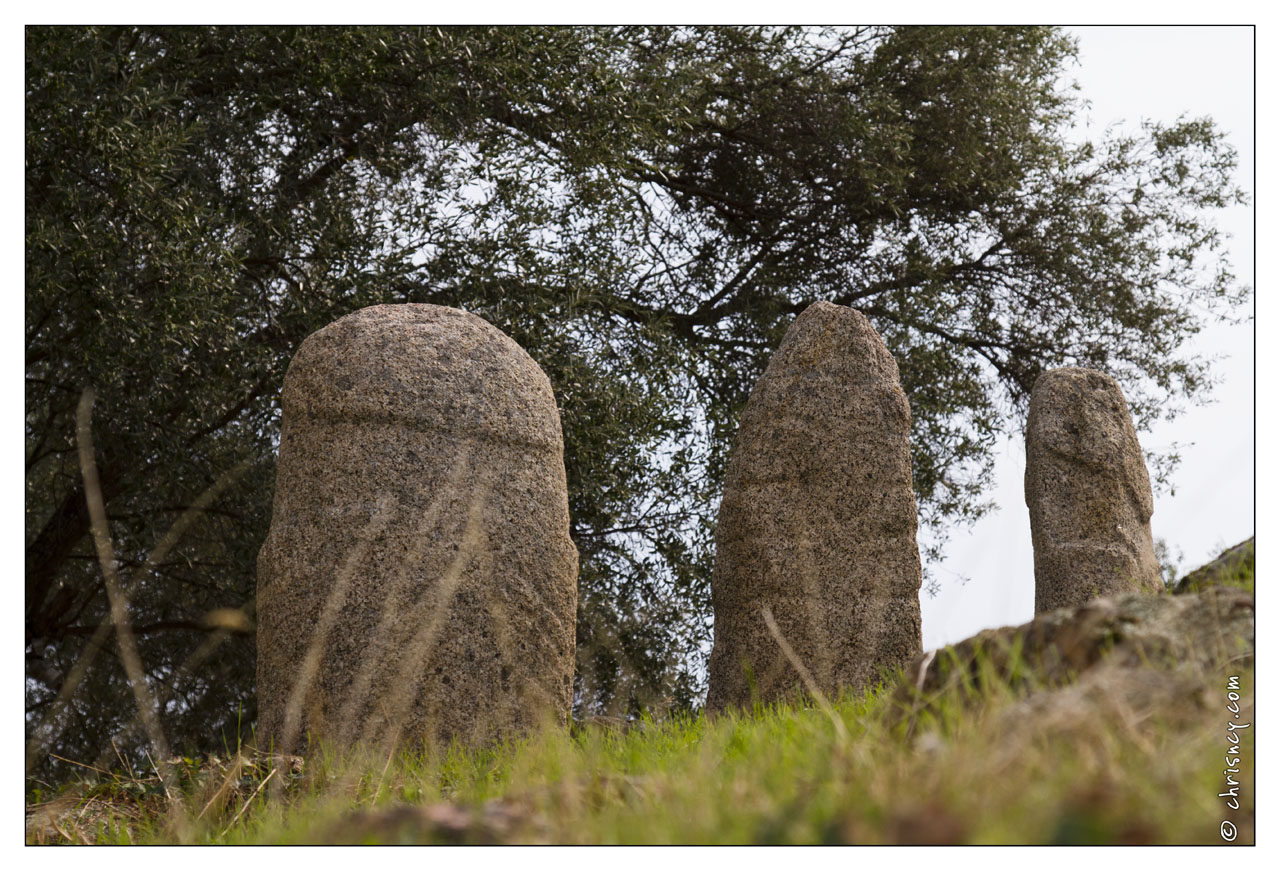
[[978, 763]]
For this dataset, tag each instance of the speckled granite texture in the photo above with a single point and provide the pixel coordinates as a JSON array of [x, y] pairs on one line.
[[818, 519], [418, 580], [1088, 492]]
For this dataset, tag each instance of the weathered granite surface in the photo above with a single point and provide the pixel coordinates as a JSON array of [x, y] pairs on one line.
[[418, 581], [1088, 491], [818, 519]]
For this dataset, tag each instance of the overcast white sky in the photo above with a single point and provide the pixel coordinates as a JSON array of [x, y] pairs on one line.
[[1128, 74]]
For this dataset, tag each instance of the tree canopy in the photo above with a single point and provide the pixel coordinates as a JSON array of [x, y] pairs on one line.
[[644, 210]]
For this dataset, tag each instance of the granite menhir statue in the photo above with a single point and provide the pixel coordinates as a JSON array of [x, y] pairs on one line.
[[418, 581], [818, 521]]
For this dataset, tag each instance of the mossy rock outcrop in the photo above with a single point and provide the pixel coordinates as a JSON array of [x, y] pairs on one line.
[[1232, 568], [1197, 632]]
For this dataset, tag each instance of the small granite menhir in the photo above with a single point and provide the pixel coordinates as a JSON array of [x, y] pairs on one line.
[[818, 520], [1088, 492]]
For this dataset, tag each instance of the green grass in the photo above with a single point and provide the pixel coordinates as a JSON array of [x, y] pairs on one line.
[[1232, 568], [976, 762]]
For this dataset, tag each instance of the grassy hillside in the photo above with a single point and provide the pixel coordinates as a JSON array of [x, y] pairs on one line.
[[1104, 724], [975, 763]]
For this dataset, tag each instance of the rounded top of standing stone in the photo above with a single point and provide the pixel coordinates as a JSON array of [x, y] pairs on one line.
[[1082, 414], [425, 366], [838, 341], [1081, 408], [1077, 378]]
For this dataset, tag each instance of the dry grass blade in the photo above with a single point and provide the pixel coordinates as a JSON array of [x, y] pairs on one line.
[[48, 730], [124, 763], [310, 666], [810, 684], [385, 637], [116, 596], [81, 764], [206, 649], [923, 671], [248, 801], [160, 774], [78, 838], [377, 792], [225, 788], [433, 611], [921, 674]]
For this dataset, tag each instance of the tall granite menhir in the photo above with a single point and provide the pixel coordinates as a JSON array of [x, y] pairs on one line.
[[418, 581], [1088, 492], [818, 520]]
